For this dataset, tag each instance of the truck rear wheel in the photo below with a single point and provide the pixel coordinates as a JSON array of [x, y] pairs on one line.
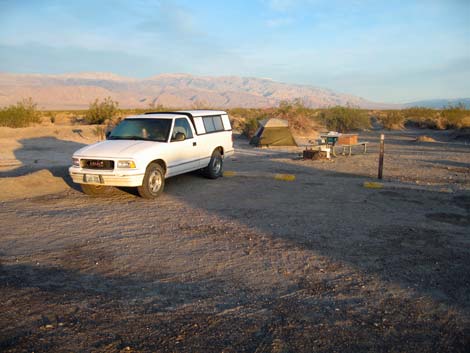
[[153, 183], [215, 167]]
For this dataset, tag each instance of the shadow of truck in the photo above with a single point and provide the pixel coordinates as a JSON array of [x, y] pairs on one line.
[[44, 153]]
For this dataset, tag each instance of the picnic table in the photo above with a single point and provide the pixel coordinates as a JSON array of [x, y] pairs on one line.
[[349, 146], [344, 141]]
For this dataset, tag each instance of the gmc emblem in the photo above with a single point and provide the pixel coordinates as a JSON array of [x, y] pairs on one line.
[[97, 164]]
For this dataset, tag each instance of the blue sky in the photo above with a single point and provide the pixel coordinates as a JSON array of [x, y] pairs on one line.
[[387, 51]]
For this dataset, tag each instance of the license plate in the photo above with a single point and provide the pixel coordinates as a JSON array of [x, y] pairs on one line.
[[89, 178]]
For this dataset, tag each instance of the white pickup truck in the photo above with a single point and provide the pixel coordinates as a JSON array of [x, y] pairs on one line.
[[143, 150]]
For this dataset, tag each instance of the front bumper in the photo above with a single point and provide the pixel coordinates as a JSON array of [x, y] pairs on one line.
[[109, 178]]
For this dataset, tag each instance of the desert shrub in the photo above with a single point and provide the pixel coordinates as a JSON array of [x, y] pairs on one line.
[[99, 131], [345, 119], [246, 113], [247, 119], [153, 107], [436, 122], [452, 117], [422, 118], [393, 119], [302, 120], [295, 107], [22, 114], [201, 105], [456, 117], [99, 112], [250, 126], [296, 112], [418, 113]]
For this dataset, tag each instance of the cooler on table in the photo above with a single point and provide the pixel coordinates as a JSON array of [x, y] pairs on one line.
[[347, 139]]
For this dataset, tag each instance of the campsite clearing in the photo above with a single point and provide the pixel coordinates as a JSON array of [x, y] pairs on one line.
[[250, 264]]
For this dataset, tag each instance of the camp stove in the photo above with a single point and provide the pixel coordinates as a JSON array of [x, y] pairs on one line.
[[317, 152]]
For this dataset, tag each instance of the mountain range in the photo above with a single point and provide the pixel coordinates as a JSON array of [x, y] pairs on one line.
[[78, 90], [440, 103]]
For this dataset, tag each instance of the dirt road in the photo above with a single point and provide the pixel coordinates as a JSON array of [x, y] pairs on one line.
[[249, 264]]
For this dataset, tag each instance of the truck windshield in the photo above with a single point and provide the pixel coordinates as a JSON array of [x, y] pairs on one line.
[[142, 129]]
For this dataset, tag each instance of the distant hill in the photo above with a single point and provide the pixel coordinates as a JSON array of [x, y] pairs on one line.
[[439, 103], [76, 91]]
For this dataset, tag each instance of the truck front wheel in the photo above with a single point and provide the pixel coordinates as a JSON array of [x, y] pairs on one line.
[[154, 182]]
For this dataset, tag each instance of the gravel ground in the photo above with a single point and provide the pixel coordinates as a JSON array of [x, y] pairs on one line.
[[248, 263]]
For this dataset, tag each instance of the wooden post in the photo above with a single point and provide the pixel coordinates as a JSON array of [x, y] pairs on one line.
[[381, 156]]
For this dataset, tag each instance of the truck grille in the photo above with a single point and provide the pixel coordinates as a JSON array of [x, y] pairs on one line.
[[97, 164]]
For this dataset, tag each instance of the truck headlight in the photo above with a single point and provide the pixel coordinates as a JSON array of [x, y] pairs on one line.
[[76, 162], [126, 164]]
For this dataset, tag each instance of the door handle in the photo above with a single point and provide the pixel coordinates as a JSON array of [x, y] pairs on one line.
[[194, 143]]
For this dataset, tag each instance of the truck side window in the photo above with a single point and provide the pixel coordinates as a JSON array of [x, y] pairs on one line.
[[219, 126], [213, 123], [208, 124], [182, 125]]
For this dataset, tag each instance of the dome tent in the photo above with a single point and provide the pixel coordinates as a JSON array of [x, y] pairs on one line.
[[273, 132]]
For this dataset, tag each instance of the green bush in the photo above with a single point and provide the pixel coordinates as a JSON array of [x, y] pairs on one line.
[[456, 117], [22, 114], [393, 119], [99, 112], [301, 118], [452, 117], [246, 113], [250, 126], [418, 113], [422, 118], [100, 132], [345, 119], [156, 108], [295, 107]]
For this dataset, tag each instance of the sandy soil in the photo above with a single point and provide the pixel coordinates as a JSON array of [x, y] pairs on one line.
[[33, 160], [244, 263]]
